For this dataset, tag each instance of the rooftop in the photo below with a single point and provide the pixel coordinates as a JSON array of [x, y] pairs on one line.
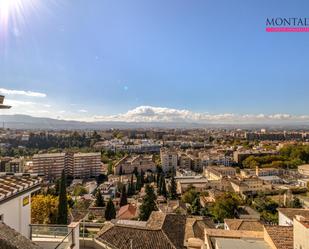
[[10, 239], [162, 231], [11, 185], [244, 224], [281, 236], [224, 243], [292, 212]]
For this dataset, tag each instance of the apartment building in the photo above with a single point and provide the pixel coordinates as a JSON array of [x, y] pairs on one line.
[[184, 161], [13, 165], [79, 165], [169, 159], [249, 185], [218, 172], [141, 162], [245, 173], [86, 165], [51, 165]]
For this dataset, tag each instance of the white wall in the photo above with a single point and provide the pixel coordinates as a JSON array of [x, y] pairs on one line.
[[284, 221], [16, 215]]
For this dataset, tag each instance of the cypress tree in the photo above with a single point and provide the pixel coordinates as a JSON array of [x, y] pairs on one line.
[[148, 204], [138, 183], [63, 201], [99, 202], [120, 170], [110, 212], [131, 189], [163, 187], [123, 196], [173, 188], [135, 171], [142, 178]]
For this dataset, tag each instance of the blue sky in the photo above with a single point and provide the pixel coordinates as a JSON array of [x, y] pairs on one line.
[[107, 57]]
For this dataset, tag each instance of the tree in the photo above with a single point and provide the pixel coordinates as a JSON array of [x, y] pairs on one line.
[[79, 190], [123, 196], [99, 202], [63, 201], [296, 203], [163, 187], [101, 178], [135, 171], [120, 170], [131, 188], [110, 212], [190, 195], [225, 207], [138, 185], [148, 204], [142, 178], [110, 169], [196, 206], [44, 209], [173, 188]]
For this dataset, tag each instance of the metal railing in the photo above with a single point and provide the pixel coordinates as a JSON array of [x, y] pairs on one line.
[[52, 236]]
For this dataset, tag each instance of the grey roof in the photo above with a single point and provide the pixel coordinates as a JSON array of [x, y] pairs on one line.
[[10, 239], [224, 243]]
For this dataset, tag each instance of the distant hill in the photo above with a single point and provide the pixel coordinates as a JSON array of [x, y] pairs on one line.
[[29, 122]]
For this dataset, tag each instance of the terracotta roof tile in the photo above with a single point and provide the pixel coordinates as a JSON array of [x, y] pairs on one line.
[[282, 236]]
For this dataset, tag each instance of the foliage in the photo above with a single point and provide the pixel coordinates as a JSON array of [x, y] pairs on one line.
[[44, 209], [123, 196], [101, 178], [173, 188], [63, 201], [225, 207], [99, 202], [296, 203], [290, 156], [190, 195], [110, 211], [267, 208], [148, 204], [79, 190], [163, 187], [196, 206]]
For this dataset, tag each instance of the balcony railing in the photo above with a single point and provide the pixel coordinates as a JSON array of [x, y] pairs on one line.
[[52, 236]]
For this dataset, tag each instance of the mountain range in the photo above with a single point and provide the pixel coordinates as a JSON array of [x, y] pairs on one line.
[[18, 121]]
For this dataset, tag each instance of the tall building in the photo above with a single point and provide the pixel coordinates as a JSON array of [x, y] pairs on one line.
[[86, 165], [51, 165], [169, 159], [78, 165]]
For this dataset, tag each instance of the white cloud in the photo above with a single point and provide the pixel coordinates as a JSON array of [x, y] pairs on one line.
[[82, 111], [151, 114], [163, 114], [23, 93]]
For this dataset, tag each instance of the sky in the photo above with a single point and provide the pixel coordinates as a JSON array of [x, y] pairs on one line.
[[153, 60]]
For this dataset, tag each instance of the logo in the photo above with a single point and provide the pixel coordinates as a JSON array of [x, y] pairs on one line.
[[291, 24], [26, 201]]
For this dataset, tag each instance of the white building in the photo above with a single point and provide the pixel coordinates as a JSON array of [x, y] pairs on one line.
[[169, 159], [15, 201], [286, 215]]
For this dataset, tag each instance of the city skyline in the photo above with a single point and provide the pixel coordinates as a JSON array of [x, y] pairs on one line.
[[177, 61]]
